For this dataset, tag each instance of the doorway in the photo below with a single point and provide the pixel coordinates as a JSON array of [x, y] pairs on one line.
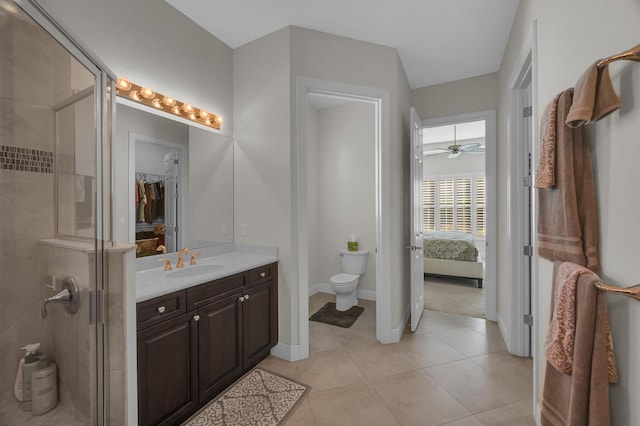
[[379, 99], [469, 211]]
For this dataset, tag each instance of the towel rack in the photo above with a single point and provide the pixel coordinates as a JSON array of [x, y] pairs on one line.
[[633, 292], [632, 54]]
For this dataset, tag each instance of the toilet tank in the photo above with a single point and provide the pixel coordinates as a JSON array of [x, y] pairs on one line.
[[354, 262]]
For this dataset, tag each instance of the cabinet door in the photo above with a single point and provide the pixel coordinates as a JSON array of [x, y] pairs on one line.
[[219, 339], [167, 371], [259, 317]]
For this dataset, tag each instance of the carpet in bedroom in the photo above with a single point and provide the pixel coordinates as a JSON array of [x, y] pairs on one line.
[[454, 295]]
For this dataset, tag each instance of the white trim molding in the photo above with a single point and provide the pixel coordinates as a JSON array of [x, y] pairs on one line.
[[380, 98], [326, 288], [490, 278], [286, 352]]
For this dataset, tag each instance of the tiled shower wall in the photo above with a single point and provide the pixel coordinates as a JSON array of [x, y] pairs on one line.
[[34, 76]]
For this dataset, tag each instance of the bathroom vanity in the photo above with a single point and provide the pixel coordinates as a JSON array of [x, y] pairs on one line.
[[193, 342]]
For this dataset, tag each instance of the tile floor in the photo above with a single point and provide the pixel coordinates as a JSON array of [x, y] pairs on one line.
[[454, 295], [454, 370]]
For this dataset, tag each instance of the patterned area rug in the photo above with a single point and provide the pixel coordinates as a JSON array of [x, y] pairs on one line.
[[328, 314], [258, 398]]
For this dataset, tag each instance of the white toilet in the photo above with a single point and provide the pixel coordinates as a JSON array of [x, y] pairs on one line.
[[345, 285]]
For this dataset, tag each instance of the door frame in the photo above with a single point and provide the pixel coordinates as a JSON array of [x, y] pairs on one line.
[[528, 59], [416, 207], [380, 98], [490, 164]]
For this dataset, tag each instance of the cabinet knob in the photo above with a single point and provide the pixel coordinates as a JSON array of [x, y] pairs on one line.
[[246, 296], [196, 317], [161, 309], [263, 274], [241, 298]]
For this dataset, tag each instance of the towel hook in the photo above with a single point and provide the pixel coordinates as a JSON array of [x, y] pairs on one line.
[[633, 292]]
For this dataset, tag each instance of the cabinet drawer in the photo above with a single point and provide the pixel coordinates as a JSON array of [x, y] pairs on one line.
[[212, 291], [160, 309], [263, 273]]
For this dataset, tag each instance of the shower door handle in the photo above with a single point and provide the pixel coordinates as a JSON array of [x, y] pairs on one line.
[[69, 296]]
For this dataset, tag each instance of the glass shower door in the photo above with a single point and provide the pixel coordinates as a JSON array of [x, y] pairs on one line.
[[53, 155]]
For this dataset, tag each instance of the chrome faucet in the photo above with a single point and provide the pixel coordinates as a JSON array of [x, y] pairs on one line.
[[180, 263]]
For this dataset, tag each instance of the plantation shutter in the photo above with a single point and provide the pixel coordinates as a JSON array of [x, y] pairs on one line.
[[429, 205], [446, 204], [463, 205], [481, 206]]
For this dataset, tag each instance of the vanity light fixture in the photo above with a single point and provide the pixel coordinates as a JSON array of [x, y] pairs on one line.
[[149, 97]]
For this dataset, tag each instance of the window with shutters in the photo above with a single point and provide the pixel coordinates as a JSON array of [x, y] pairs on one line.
[[455, 203]]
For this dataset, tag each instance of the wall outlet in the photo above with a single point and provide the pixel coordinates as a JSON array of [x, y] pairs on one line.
[[121, 221], [243, 230]]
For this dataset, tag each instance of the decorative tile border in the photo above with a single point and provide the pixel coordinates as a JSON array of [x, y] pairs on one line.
[[25, 159]]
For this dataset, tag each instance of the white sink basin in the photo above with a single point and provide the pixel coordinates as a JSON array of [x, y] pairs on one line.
[[194, 271]]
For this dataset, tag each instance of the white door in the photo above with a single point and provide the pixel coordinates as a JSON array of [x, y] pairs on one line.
[[415, 244], [171, 200], [526, 130]]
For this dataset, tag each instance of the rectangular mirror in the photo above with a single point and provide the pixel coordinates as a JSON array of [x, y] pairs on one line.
[[181, 183]]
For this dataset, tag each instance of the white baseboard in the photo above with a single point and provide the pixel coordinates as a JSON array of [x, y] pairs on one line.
[[286, 352], [326, 288], [396, 333]]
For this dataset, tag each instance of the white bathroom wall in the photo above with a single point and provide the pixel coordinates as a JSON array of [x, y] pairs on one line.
[[345, 182], [316, 271]]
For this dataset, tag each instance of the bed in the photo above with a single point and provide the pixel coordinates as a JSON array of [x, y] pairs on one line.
[[452, 254]]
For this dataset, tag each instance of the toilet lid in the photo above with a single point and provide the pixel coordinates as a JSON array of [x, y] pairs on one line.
[[343, 278]]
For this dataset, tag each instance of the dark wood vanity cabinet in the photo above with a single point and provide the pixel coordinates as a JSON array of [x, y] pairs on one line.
[[229, 325]]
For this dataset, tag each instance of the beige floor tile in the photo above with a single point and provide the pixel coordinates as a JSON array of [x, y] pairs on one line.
[[455, 295], [486, 327], [329, 369], [467, 421], [427, 350], [474, 387], [515, 414], [356, 404], [382, 361], [324, 343], [414, 398], [515, 371], [280, 366], [357, 343], [470, 342], [321, 329], [434, 321], [302, 416]]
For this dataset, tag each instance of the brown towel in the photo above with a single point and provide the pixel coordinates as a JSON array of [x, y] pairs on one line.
[[546, 170], [594, 97], [567, 218], [560, 342], [582, 398]]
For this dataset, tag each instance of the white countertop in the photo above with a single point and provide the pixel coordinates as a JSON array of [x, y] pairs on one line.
[[215, 262]]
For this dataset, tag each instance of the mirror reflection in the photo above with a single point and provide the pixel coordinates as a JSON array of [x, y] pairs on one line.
[[181, 178]]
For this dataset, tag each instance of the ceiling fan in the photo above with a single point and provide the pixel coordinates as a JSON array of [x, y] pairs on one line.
[[456, 150]]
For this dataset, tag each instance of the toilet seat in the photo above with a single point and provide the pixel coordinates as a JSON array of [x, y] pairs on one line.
[[344, 279]]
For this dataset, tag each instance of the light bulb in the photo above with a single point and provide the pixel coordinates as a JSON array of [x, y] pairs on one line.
[[175, 109], [134, 95], [123, 83], [187, 108], [192, 116], [207, 122], [156, 103], [218, 119], [168, 101], [204, 114], [147, 93]]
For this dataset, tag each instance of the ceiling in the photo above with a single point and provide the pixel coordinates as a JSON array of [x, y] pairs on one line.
[[437, 40]]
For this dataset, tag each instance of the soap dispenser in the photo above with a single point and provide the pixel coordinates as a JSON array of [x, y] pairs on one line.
[[31, 363]]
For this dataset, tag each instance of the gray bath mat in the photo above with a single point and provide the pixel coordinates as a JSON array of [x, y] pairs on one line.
[[328, 314]]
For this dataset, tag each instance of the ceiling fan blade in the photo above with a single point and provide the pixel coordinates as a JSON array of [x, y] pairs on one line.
[[454, 155], [429, 153], [469, 146]]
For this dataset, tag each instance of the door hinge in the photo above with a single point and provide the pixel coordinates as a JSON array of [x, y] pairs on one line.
[[527, 112], [175, 161], [528, 320], [528, 251], [526, 181]]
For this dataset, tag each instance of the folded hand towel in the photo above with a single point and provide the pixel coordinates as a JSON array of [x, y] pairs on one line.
[[582, 397], [546, 170], [594, 97], [567, 215]]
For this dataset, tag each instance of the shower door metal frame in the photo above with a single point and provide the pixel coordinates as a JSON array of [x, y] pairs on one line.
[[104, 94]]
